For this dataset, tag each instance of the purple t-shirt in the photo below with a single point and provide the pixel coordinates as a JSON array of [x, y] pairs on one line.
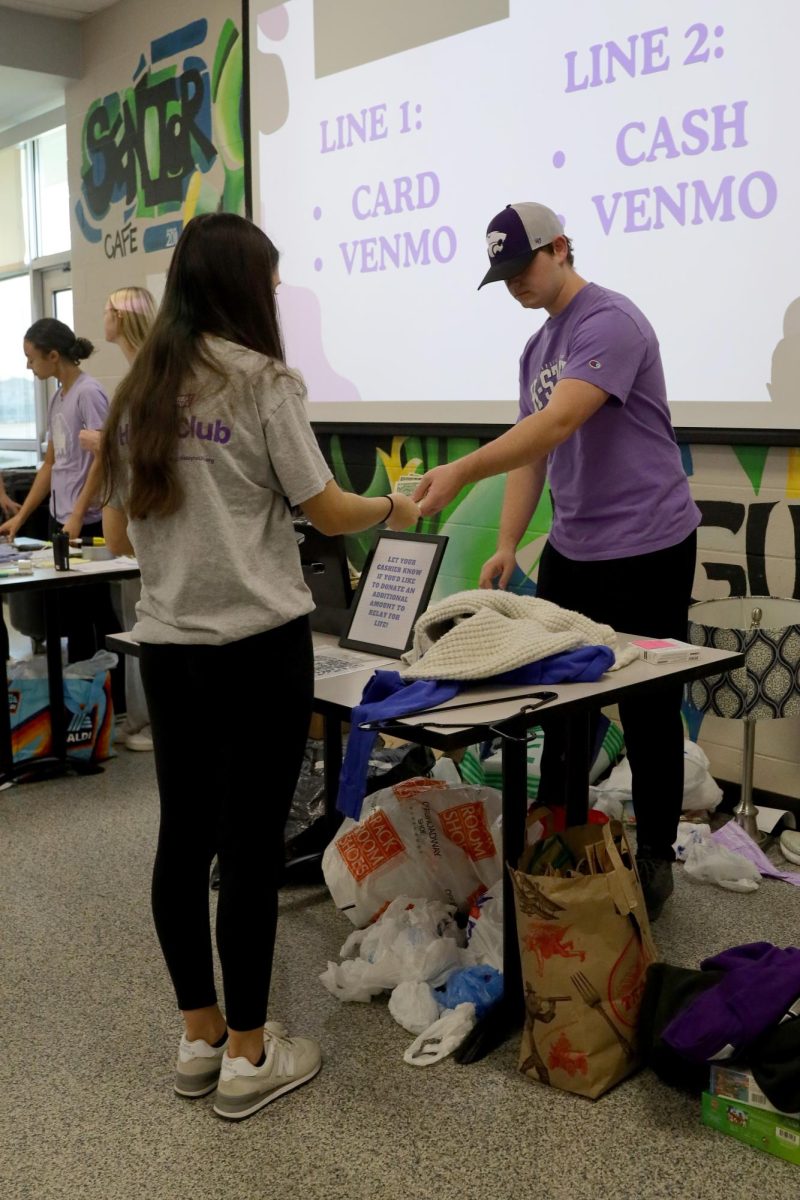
[[618, 484], [85, 406]]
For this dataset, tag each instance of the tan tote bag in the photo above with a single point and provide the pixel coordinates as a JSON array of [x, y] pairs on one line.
[[585, 946]]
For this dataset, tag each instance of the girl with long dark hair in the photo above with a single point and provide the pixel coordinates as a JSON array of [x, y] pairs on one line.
[[206, 450]]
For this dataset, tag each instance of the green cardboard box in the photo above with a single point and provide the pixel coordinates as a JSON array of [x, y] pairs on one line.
[[768, 1131]]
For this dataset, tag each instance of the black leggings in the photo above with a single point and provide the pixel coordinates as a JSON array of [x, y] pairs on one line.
[[647, 594], [229, 730]]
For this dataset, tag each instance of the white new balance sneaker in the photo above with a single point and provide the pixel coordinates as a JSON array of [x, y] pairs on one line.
[[243, 1089], [142, 739], [198, 1067]]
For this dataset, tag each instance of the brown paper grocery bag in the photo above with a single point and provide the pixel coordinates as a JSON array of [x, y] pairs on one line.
[[585, 946]]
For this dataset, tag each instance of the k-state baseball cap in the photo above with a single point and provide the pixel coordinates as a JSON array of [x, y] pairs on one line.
[[514, 236]]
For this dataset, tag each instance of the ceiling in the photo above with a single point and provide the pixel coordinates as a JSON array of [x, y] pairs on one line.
[[25, 94], [68, 10]]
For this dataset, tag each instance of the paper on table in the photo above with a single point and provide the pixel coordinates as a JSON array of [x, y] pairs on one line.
[[735, 838], [92, 566], [328, 661]]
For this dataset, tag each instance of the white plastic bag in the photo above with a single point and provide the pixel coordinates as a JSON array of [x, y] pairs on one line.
[[412, 940], [420, 838], [485, 928], [414, 1006], [700, 792], [442, 1038], [688, 833], [102, 660], [708, 862]]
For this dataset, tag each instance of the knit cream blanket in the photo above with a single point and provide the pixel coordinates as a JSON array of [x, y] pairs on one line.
[[481, 633]]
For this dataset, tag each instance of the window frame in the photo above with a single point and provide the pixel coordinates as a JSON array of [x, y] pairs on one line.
[[36, 267]]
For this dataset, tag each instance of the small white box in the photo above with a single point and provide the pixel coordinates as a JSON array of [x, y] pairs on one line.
[[666, 650]]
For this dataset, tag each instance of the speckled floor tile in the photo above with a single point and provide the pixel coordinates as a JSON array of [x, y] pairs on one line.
[[89, 1034]]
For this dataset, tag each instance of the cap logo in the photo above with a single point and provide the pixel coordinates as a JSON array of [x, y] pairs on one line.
[[595, 364], [494, 242]]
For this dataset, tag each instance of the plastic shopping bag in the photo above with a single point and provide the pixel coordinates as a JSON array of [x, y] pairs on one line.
[[420, 838], [708, 862], [89, 717], [416, 940]]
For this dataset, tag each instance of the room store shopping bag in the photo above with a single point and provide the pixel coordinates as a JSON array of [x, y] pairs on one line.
[[420, 838], [585, 946], [89, 718]]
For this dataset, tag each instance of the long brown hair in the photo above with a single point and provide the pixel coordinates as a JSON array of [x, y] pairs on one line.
[[219, 282]]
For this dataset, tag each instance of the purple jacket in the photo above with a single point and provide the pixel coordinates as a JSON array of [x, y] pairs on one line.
[[760, 985]]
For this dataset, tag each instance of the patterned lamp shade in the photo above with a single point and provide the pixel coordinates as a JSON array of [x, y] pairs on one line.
[[767, 631]]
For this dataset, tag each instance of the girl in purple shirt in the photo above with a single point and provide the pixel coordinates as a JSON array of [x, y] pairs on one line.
[[69, 474]]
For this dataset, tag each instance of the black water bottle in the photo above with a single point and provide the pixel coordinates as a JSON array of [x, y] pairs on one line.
[[61, 551]]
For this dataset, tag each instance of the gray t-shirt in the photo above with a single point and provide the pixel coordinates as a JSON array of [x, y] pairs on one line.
[[226, 565]]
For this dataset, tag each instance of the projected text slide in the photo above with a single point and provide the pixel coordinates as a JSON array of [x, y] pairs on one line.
[[661, 133]]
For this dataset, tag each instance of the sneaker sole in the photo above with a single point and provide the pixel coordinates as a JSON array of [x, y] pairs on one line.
[[193, 1088], [210, 1087], [264, 1100]]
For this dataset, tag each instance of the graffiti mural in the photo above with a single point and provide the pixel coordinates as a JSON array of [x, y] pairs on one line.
[[167, 145], [749, 497]]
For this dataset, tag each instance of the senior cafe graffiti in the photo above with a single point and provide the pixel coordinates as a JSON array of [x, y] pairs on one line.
[[167, 145]]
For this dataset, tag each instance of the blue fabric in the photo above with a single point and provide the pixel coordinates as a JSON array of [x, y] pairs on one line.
[[388, 695], [584, 665]]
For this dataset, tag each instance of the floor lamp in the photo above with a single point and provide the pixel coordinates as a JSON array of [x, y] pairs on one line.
[[767, 687]]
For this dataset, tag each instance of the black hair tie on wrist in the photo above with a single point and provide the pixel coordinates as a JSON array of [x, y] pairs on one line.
[[391, 508]]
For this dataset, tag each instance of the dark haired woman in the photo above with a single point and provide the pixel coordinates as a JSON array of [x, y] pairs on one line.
[[206, 449], [69, 474]]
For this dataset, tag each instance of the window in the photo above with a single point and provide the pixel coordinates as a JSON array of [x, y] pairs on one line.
[[17, 398], [34, 280], [62, 301], [52, 192]]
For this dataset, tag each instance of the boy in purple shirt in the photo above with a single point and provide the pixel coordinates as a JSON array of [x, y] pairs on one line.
[[593, 422]]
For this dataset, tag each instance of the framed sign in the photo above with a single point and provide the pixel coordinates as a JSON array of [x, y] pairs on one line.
[[395, 587]]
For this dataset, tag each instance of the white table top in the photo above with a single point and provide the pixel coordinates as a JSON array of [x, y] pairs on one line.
[[47, 577], [345, 690]]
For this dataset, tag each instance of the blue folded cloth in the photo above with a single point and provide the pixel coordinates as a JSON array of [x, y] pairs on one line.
[[387, 695]]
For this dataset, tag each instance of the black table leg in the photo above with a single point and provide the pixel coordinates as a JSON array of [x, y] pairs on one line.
[[576, 782], [55, 675], [332, 752], [6, 746]]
